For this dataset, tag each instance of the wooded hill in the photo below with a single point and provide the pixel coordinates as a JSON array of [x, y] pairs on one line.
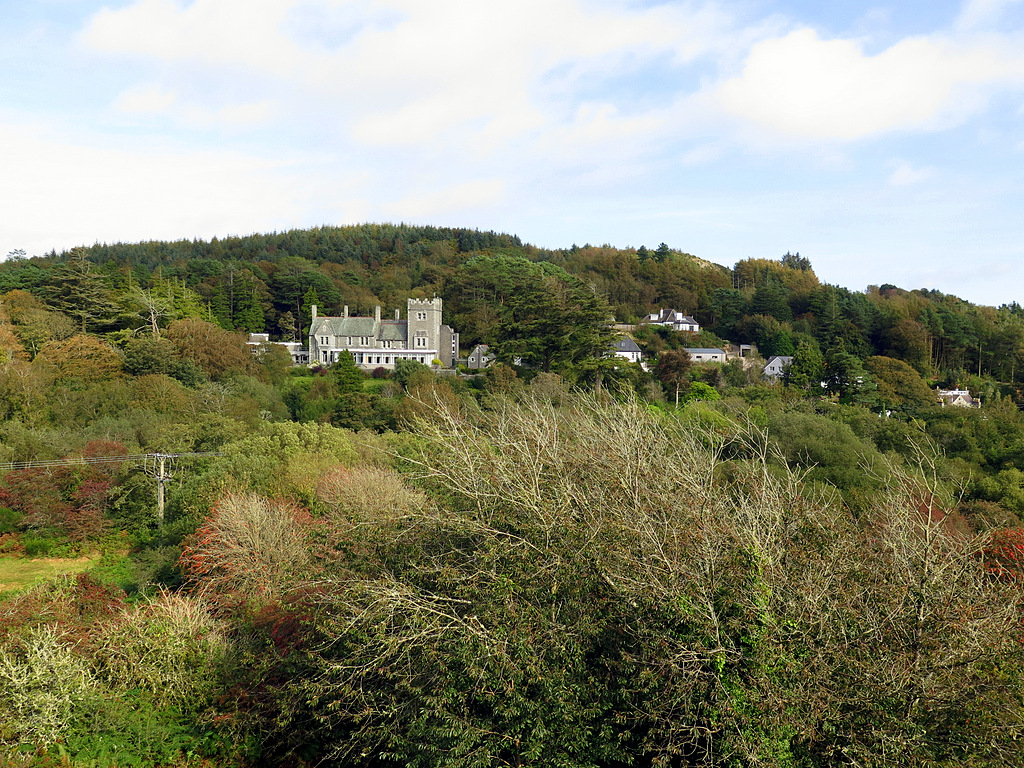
[[265, 283], [573, 562]]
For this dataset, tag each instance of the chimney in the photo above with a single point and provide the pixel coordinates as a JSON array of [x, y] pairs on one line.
[[376, 313], [346, 311], [398, 314], [312, 311]]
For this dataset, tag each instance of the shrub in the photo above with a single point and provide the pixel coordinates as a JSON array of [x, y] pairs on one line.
[[171, 647], [250, 546], [42, 683], [10, 520], [36, 546], [596, 586]]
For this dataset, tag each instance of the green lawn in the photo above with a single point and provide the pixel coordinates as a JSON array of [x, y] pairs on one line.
[[19, 572]]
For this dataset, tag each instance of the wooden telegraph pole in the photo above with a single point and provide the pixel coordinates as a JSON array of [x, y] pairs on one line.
[[156, 465], [161, 481]]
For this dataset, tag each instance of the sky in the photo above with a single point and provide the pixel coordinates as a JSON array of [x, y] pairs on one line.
[[883, 141]]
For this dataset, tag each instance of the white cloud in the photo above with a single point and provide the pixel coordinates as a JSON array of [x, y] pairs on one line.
[[445, 201], [802, 87], [600, 130], [408, 72], [230, 116], [62, 192], [155, 100], [146, 99], [905, 174], [234, 32], [702, 155]]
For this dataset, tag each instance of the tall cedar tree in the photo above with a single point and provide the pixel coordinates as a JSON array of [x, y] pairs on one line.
[[545, 317]]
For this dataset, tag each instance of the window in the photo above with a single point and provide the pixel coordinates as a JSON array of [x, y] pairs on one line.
[[421, 315]]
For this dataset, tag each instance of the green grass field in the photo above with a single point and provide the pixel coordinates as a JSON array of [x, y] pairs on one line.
[[19, 572]]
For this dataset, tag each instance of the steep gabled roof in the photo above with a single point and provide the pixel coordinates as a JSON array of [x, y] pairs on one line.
[[394, 330], [344, 326]]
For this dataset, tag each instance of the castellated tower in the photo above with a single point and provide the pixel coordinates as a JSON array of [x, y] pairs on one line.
[[424, 325]]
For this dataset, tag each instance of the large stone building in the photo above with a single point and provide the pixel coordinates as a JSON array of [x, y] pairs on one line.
[[378, 343]]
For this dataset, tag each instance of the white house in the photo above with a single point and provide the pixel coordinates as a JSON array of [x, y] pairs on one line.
[[776, 367], [294, 348], [670, 318], [706, 355], [377, 343], [958, 397], [626, 348]]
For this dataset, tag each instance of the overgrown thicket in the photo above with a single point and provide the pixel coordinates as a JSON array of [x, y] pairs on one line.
[[495, 569], [599, 585], [95, 681], [586, 584]]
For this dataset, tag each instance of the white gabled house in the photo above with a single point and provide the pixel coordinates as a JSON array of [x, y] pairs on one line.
[[378, 343], [670, 318], [958, 397], [777, 366], [294, 348], [627, 349]]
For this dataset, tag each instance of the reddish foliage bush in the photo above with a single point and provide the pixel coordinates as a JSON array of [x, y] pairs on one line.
[[1004, 555], [249, 546], [73, 498], [72, 603], [36, 493]]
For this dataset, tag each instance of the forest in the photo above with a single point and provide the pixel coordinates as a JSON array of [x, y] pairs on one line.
[[565, 559]]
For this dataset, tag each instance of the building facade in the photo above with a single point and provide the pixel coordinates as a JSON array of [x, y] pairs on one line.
[[706, 354], [777, 367], [958, 397], [378, 343], [480, 358], [670, 318], [627, 349]]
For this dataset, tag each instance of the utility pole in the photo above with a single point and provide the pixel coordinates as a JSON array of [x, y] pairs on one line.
[[156, 465], [159, 466], [161, 480]]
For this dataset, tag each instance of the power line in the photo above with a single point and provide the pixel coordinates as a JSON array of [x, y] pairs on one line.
[[157, 465], [143, 457]]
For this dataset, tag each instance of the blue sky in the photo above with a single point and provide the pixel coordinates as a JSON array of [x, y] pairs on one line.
[[885, 142]]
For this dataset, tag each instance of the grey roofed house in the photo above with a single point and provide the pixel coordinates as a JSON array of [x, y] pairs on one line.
[[706, 354], [958, 397], [626, 348], [673, 319], [480, 358], [378, 343], [777, 366]]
